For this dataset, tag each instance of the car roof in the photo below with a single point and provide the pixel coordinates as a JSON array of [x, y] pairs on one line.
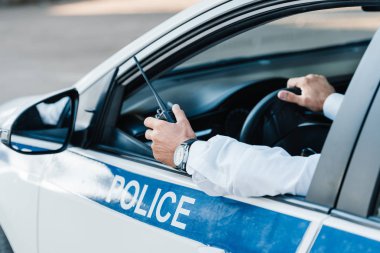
[[145, 40]]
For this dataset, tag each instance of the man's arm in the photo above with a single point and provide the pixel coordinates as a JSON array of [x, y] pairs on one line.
[[223, 165], [317, 95]]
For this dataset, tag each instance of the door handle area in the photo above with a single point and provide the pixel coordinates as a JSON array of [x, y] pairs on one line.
[[209, 249]]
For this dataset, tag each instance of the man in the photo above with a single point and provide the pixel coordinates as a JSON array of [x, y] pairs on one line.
[[222, 165]]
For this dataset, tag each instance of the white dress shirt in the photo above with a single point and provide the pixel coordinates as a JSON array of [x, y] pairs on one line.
[[222, 165]]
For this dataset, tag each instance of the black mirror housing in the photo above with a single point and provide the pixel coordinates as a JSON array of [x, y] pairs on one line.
[[373, 8], [45, 127]]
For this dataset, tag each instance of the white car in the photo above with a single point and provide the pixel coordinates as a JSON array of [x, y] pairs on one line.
[[77, 174]]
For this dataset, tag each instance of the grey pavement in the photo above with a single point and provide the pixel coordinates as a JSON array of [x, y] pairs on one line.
[[41, 52], [47, 47]]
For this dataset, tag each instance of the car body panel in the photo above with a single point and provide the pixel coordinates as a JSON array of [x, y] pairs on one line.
[[20, 178], [210, 221], [72, 201], [338, 235]]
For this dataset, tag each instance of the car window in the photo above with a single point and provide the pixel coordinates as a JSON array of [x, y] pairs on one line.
[[301, 32], [269, 51], [217, 88], [307, 45]]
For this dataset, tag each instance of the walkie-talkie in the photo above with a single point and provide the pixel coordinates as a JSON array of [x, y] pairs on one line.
[[163, 112]]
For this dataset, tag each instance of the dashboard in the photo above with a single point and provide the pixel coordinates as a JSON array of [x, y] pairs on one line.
[[218, 99]]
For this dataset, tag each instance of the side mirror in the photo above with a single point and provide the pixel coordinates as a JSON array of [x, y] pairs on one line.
[[373, 8], [45, 127]]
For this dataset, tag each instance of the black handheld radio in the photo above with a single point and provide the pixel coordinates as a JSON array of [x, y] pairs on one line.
[[163, 112]]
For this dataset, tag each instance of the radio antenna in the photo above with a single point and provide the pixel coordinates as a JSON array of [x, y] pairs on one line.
[[163, 112]]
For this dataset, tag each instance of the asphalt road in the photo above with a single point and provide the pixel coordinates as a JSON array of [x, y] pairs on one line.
[[48, 47], [42, 52]]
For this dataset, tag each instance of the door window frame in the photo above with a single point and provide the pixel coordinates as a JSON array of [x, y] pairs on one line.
[[360, 190]]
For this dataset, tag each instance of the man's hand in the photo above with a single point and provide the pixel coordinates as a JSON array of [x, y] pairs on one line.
[[315, 89], [167, 136]]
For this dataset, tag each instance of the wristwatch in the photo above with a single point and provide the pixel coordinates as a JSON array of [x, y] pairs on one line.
[[181, 154]]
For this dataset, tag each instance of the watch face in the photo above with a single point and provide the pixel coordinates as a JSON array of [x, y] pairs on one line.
[[178, 155]]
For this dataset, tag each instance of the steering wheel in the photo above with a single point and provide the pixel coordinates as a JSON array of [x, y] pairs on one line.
[[273, 122]]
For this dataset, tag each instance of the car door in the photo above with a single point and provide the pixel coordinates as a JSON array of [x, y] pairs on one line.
[[100, 200], [103, 198]]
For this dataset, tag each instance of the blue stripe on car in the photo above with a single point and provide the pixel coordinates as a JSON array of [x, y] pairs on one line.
[[217, 221], [334, 240], [20, 146]]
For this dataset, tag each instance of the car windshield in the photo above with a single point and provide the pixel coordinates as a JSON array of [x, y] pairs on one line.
[[307, 31]]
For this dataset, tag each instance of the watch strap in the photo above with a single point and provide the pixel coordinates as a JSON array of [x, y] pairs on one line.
[[186, 144], [189, 142]]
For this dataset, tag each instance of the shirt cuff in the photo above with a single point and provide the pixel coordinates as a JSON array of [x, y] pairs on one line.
[[332, 104], [195, 152]]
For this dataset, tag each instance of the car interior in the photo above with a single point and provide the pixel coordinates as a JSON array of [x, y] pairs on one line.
[[230, 88]]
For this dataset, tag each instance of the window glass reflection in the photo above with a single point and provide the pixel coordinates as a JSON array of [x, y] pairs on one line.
[[43, 127]]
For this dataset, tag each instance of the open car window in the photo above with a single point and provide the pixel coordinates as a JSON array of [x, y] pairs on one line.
[[218, 87]]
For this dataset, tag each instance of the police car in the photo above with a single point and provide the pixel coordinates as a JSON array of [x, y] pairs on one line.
[[77, 174]]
